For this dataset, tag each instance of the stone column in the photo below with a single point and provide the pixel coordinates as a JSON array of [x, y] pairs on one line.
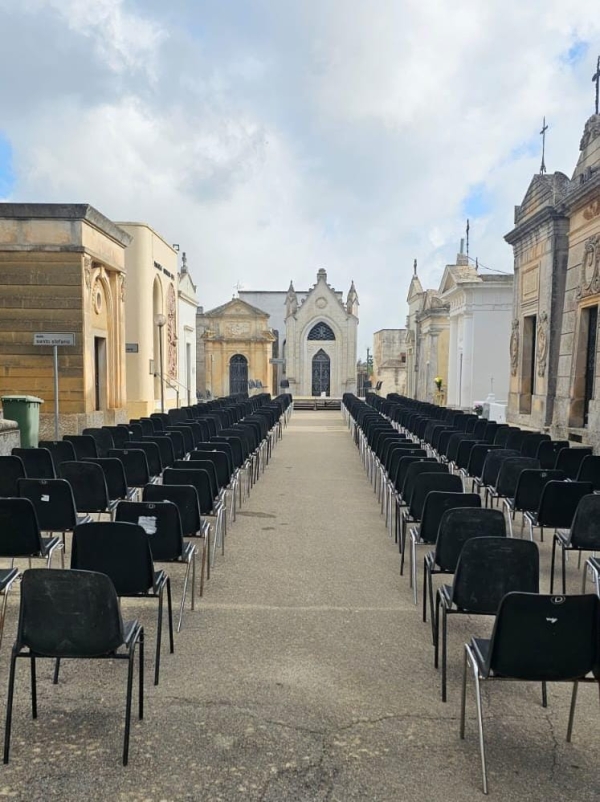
[[453, 363]]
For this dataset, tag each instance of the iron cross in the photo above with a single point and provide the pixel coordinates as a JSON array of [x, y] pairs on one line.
[[543, 135], [596, 80]]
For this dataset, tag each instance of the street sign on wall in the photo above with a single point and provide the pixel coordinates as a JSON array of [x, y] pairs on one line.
[[54, 338]]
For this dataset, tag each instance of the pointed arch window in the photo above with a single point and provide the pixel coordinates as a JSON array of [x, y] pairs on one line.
[[321, 331]]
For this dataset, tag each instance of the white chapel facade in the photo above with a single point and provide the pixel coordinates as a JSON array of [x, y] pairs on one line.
[[320, 348]]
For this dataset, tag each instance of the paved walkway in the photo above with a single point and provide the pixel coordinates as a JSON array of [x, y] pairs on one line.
[[305, 674]]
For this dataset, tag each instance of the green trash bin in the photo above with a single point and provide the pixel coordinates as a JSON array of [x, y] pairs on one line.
[[25, 410]]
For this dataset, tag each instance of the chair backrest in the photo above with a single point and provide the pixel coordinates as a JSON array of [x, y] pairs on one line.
[[510, 470], [37, 461], [437, 503], [542, 637], [104, 439], [530, 486], [477, 458], [53, 501], [219, 460], [493, 463], [88, 484], [202, 465], [165, 447], [531, 442], [219, 449], [589, 470], [490, 567], [152, 452], [459, 525], [11, 470], [426, 483], [120, 435], [548, 451], [559, 501], [196, 478], [501, 433], [61, 450], [585, 529], [84, 445], [413, 470], [135, 464], [19, 529], [569, 460], [114, 474], [161, 522], [69, 614], [186, 499], [119, 550]]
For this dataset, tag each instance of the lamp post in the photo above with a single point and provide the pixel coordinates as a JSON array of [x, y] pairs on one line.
[[160, 321]]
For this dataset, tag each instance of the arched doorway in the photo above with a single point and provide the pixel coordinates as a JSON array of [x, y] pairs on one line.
[[321, 373], [238, 374]]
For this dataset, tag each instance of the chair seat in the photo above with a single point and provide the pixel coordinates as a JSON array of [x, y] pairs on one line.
[[564, 536], [445, 592], [7, 577], [594, 563], [83, 519], [130, 629], [531, 516], [510, 503]]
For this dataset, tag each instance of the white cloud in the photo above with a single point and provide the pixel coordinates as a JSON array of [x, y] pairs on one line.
[[270, 139]]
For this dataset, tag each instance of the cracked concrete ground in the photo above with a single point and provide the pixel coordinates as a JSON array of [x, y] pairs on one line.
[[304, 674]]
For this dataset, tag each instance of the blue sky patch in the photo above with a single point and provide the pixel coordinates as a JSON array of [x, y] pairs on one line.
[[477, 203], [7, 178], [576, 52]]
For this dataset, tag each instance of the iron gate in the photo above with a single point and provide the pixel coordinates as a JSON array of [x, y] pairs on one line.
[[321, 373]]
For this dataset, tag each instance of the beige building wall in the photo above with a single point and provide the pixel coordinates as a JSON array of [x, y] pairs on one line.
[[236, 329], [152, 267], [62, 269], [390, 360]]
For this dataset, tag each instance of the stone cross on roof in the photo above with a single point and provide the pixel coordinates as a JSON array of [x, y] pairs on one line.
[[543, 135], [596, 80]]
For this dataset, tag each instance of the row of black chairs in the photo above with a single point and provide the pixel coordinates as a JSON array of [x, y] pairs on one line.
[[536, 637], [109, 560]]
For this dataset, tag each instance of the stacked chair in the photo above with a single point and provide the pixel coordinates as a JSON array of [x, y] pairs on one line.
[[456, 485], [127, 503]]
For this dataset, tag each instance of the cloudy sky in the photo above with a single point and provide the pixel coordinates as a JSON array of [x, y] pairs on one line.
[[274, 137]]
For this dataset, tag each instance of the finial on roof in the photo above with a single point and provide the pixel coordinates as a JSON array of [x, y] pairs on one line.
[[415, 268], [596, 80], [184, 262], [322, 274], [543, 135]]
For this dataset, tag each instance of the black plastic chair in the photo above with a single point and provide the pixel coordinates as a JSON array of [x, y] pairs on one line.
[[569, 460], [162, 523], [491, 468], [508, 478], [192, 524], [201, 480], [54, 505], [557, 506], [583, 535], [120, 435], [404, 512], [84, 445], [61, 450], [122, 552], [11, 470], [477, 457], [488, 568], [20, 534], [89, 487], [135, 464], [589, 471], [531, 443], [114, 474], [152, 452], [73, 614], [104, 439], [165, 448], [424, 484], [37, 461], [528, 493], [456, 527], [436, 504], [548, 451], [535, 639]]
